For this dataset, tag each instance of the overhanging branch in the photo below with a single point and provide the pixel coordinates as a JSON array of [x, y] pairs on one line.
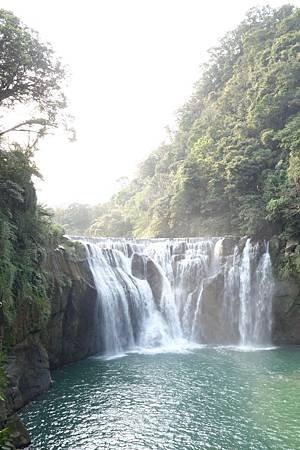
[[41, 122]]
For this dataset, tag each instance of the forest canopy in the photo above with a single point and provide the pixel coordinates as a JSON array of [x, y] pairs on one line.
[[233, 163]]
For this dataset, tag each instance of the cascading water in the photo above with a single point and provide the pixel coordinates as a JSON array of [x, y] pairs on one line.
[[256, 282], [160, 293]]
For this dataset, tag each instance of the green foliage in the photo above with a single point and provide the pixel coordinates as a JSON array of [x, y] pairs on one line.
[[29, 73], [76, 218], [111, 224], [24, 236], [5, 443], [288, 265], [233, 164]]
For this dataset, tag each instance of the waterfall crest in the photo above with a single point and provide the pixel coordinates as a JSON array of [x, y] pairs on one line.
[[159, 293]]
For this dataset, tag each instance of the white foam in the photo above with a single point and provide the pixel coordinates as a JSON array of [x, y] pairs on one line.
[[108, 357], [250, 348]]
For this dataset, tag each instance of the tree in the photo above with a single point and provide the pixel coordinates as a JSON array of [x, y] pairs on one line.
[[31, 79], [233, 164], [29, 74], [75, 219]]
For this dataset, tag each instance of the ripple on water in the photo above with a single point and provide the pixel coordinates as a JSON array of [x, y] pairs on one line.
[[205, 399]]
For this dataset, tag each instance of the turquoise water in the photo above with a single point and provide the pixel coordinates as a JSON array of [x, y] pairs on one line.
[[205, 399]]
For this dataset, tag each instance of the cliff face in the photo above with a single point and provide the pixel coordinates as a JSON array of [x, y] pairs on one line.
[[70, 334], [286, 313], [68, 337], [286, 300]]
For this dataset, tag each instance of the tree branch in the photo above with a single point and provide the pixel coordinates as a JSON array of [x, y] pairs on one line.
[[41, 122]]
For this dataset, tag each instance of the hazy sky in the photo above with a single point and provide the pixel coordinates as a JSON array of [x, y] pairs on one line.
[[132, 63]]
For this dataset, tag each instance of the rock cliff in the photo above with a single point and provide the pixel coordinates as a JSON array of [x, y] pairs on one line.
[[69, 336], [286, 300]]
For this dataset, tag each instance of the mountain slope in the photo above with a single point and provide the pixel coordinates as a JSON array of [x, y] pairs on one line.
[[233, 164]]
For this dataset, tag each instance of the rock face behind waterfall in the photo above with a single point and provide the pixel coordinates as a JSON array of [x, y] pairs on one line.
[[153, 276], [214, 326]]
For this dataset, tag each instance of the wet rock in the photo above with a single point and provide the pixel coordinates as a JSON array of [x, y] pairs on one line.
[[155, 280], [71, 332], [228, 245], [19, 436], [129, 249], [177, 258], [215, 327], [242, 243], [286, 313], [291, 246], [139, 266], [28, 373], [286, 288], [286, 298], [3, 413], [178, 248], [274, 247]]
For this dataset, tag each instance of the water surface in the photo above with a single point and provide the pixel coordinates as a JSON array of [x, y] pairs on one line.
[[204, 399]]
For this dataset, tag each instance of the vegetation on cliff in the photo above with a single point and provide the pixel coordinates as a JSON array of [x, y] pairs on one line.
[[233, 164], [32, 103], [31, 75]]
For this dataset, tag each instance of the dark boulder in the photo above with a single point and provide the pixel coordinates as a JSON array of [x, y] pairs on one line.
[[155, 280], [215, 327], [228, 245], [139, 266]]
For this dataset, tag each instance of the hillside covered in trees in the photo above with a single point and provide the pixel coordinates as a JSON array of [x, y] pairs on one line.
[[233, 163]]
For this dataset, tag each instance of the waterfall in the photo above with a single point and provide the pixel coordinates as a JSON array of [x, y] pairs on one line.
[[256, 287], [159, 293]]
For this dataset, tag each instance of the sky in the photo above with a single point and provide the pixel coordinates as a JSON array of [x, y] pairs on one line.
[[131, 64]]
